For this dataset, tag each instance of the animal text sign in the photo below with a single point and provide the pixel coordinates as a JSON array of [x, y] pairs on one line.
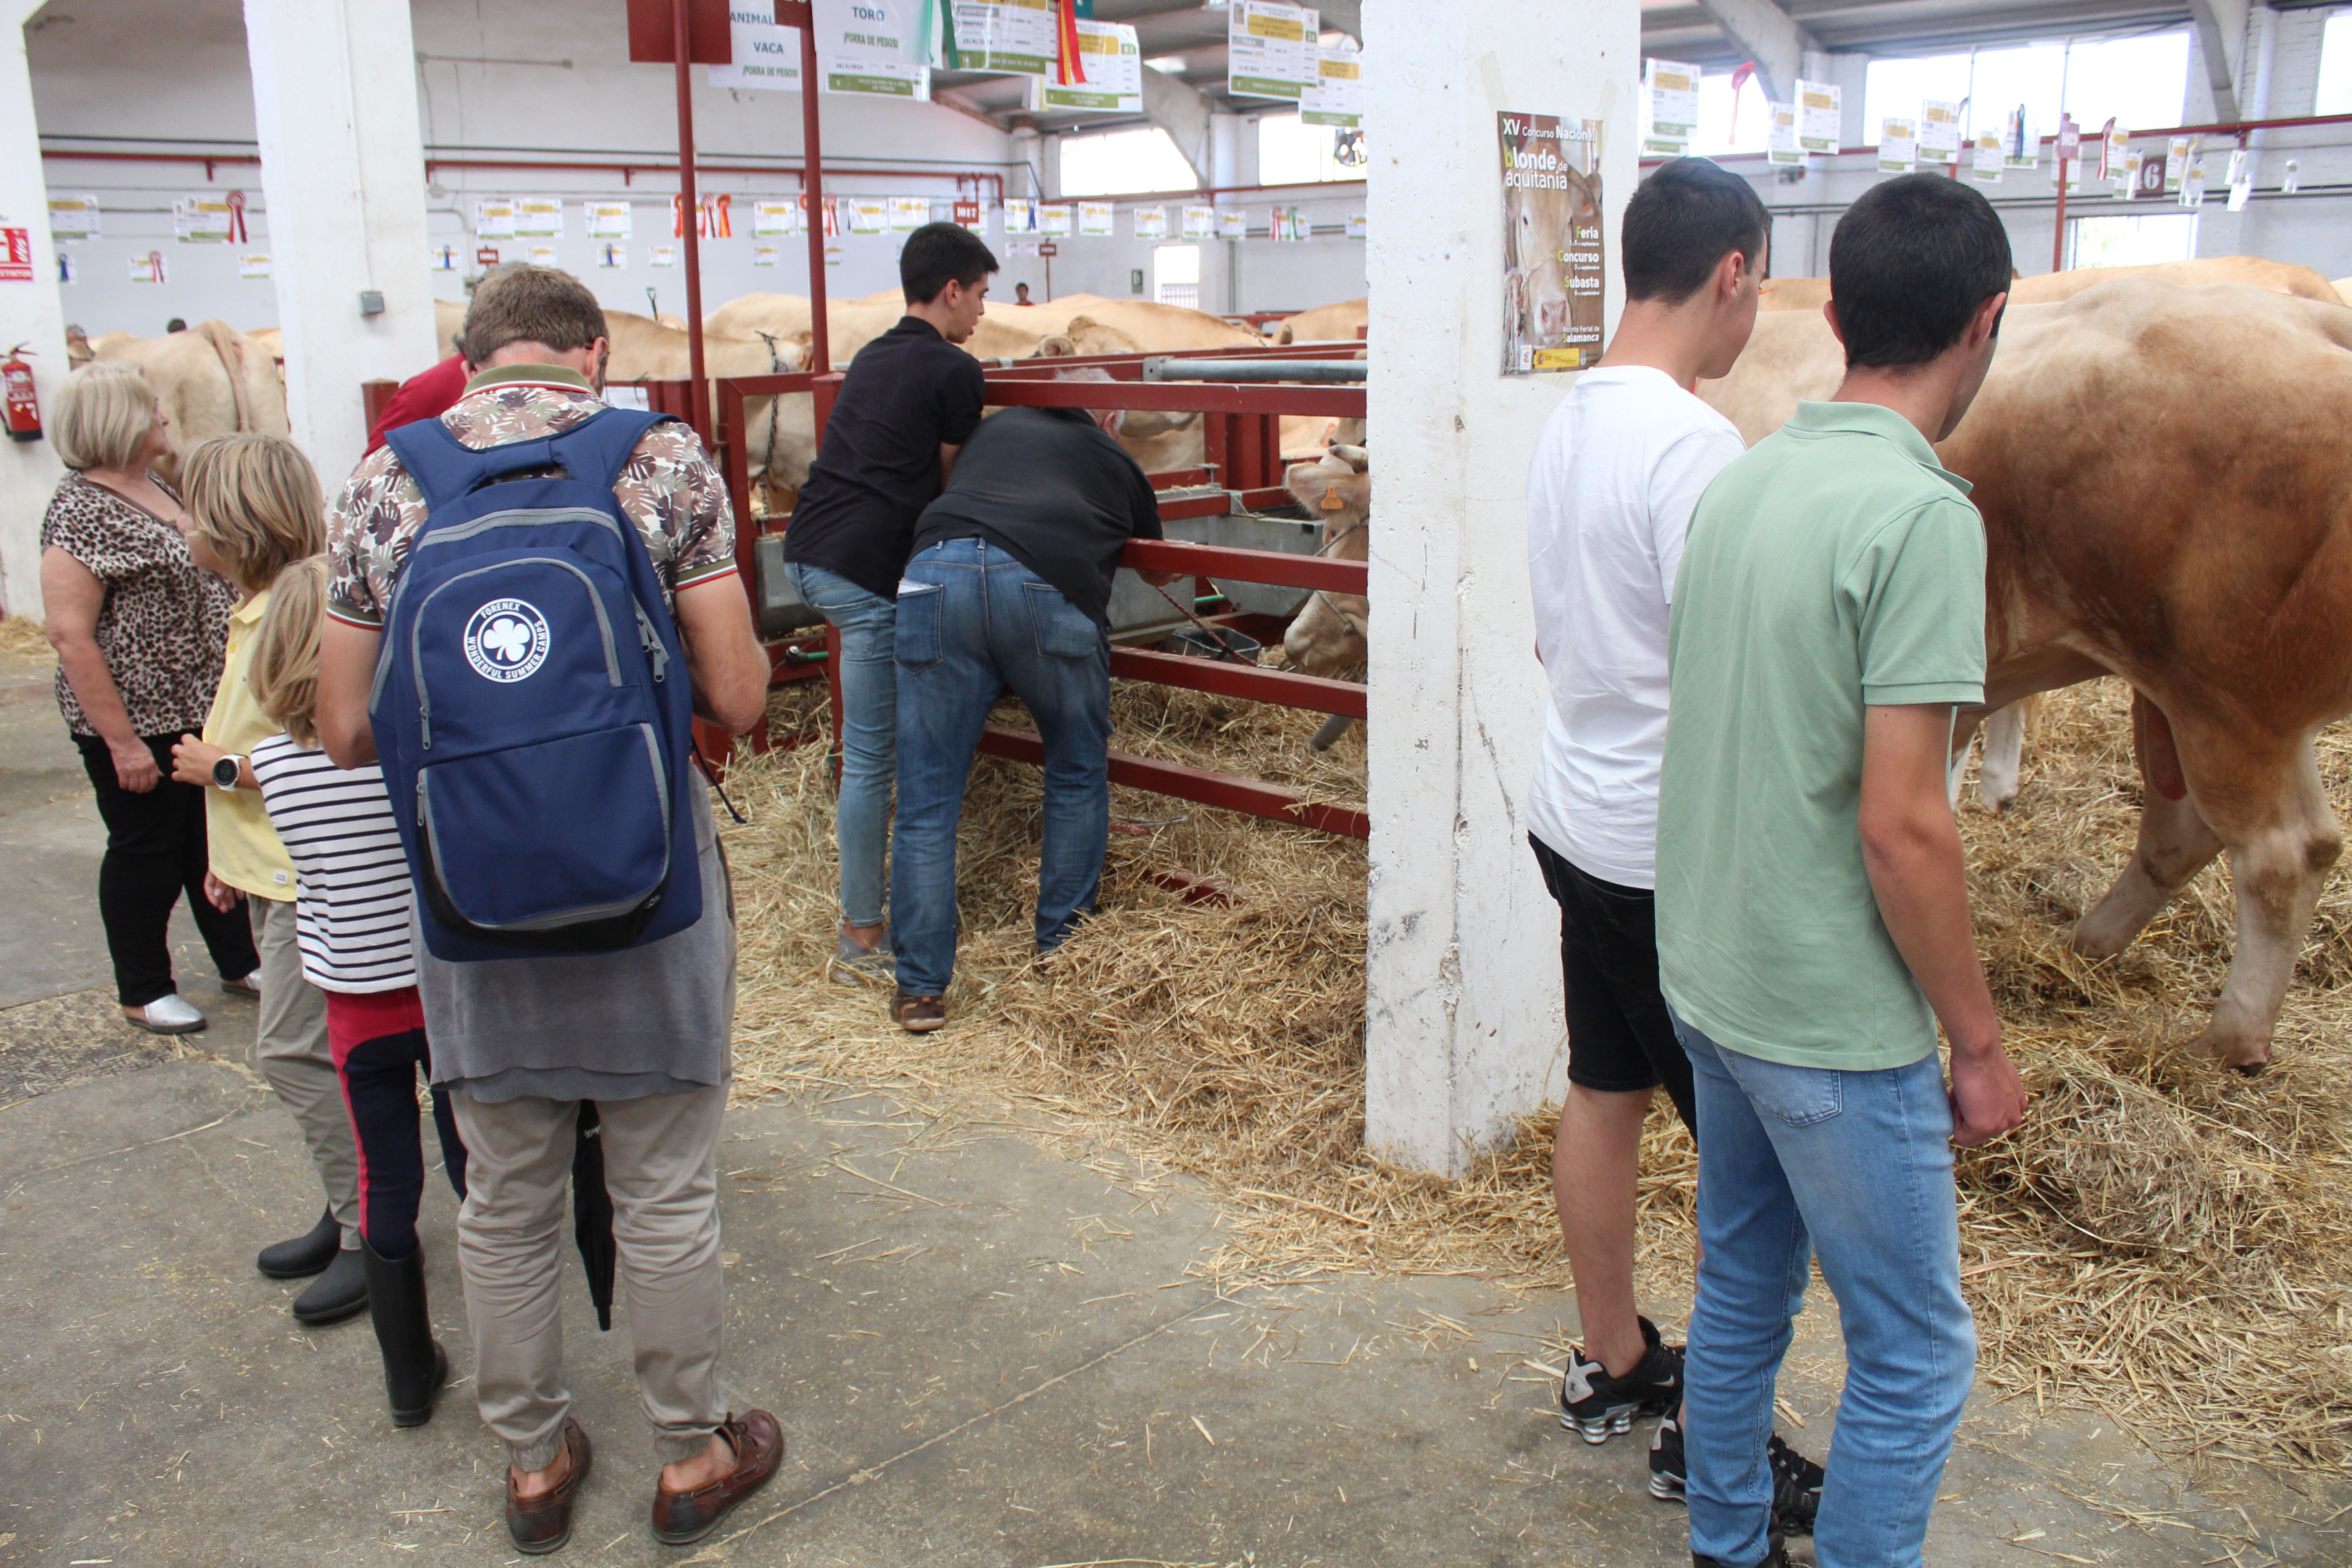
[[1552, 263]]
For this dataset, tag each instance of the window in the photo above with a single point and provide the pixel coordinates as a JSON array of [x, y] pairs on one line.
[[1728, 122], [2141, 82], [1291, 153], [1118, 163], [2139, 240], [2336, 66], [1176, 275]]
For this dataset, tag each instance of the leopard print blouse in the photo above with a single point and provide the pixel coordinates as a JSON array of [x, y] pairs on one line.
[[164, 628]]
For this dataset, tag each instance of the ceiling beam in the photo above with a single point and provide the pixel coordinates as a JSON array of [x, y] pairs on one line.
[[2221, 38], [1184, 113], [1344, 17], [1771, 37]]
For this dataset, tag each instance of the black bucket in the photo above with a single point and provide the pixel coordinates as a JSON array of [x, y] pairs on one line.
[[1195, 642]]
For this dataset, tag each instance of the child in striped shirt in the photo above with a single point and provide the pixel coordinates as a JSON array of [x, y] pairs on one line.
[[352, 920]]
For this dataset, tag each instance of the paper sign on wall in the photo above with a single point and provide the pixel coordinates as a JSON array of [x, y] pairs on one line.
[[73, 217], [1336, 96], [1271, 50], [538, 218], [2242, 180], [441, 259], [1669, 108], [766, 55], [1988, 159], [2176, 154], [1152, 222], [1094, 219], [202, 220], [1013, 37], [608, 220], [664, 255], [2192, 184], [874, 47], [252, 267], [2019, 147], [763, 256], [69, 269], [1898, 146], [1819, 116], [612, 256], [1233, 225], [1552, 261], [1053, 219], [1780, 140], [1359, 225], [1199, 222], [770, 218], [150, 268], [1939, 131], [1020, 215], [909, 213], [1113, 62], [494, 217], [869, 215], [538, 255]]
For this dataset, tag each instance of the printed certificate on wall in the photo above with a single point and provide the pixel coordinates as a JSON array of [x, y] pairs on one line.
[[1271, 50]]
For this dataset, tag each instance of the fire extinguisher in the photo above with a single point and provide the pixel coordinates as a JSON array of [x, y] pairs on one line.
[[24, 407]]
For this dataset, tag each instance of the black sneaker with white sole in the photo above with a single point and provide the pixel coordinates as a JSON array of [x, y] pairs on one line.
[[1597, 1407], [1796, 1480]]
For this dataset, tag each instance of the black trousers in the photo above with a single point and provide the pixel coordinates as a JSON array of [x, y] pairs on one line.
[[154, 853], [1621, 1036]]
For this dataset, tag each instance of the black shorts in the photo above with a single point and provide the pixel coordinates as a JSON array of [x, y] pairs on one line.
[[1620, 1039]]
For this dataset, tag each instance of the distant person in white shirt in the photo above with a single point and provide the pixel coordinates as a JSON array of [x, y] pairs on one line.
[[1620, 468]]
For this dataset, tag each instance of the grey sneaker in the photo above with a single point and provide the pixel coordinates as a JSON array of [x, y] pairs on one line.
[[167, 1014], [856, 965]]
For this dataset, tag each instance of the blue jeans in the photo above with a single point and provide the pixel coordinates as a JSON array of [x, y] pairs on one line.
[[1856, 1166], [971, 621], [869, 727]]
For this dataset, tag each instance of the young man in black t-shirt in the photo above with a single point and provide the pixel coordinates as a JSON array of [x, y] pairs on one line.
[[1009, 585], [909, 400]]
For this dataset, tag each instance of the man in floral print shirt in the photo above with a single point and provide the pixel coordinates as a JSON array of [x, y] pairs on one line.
[[644, 1033]]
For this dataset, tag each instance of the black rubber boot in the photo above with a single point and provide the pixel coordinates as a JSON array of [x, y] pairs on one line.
[[414, 1364], [305, 1255]]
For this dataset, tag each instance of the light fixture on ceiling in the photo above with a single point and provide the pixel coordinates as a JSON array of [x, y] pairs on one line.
[[1171, 64]]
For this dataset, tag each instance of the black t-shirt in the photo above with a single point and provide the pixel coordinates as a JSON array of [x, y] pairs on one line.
[[1052, 489], [908, 393]]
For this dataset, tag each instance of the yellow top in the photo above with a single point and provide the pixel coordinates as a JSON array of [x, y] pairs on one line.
[[244, 847]]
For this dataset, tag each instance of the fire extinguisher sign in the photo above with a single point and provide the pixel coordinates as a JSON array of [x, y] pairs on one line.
[[16, 264]]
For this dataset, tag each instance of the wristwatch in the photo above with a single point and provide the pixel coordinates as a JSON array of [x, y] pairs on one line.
[[226, 769]]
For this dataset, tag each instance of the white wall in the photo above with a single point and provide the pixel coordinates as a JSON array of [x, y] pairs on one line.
[[157, 71], [1463, 1030]]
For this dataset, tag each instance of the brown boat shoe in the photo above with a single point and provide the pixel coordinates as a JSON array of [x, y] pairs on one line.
[[683, 1518], [542, 1524], [917, 1015]]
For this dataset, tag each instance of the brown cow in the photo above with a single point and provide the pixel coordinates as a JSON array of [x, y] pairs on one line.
[[2167, 497], [1328, 636]]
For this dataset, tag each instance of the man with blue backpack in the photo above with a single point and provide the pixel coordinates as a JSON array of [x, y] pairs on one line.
[[534, 595]]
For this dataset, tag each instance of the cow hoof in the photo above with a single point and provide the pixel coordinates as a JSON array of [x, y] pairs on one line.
[[2096, 944], [2249, 1069], [2249, 1058]]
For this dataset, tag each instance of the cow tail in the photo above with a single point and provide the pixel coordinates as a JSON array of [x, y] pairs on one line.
[[224, 340]]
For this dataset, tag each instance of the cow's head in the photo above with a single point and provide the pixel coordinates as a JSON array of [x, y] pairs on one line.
[[1327, 637]]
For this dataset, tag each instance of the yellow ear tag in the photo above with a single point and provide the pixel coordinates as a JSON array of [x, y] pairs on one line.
[[1332, 501]]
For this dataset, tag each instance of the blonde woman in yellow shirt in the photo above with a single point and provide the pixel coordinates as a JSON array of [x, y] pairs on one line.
[[253, 507]]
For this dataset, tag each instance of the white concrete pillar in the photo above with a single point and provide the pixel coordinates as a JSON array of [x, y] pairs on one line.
[[31, 314], [342, 168], [1463, 1021]]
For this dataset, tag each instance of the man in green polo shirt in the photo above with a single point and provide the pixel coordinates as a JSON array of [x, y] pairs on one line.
[[1812, 907]]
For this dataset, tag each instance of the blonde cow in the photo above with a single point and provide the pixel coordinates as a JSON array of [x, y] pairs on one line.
[[212, 380], [2050, 288], [2168, 497]]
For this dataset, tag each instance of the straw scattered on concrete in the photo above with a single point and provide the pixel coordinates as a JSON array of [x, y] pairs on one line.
[[2163, 1241], [24, 636]]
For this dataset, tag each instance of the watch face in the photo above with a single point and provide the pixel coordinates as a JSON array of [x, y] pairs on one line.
[[225, 773]]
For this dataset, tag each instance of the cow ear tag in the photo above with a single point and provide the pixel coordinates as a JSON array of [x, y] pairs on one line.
[[1332, 501]]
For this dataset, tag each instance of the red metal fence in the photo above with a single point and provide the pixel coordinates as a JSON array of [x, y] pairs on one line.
[[1243, 458]]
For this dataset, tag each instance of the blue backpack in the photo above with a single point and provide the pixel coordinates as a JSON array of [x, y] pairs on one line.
[[531, 705]]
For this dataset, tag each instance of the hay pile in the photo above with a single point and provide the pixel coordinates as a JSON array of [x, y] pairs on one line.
[[2165, 1241], [24, 635]]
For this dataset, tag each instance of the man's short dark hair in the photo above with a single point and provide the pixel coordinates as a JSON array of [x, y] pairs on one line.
[[1910, 262], [1681, 222], [519, 304], [938, 254]]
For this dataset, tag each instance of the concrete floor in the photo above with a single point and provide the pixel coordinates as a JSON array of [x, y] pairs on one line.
[[982, 1352]]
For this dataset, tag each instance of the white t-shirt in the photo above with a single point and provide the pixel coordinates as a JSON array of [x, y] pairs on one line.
[[351, 879], [1610, 494]]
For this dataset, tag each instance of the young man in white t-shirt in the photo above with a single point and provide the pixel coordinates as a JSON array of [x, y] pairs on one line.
[[1620, 468]]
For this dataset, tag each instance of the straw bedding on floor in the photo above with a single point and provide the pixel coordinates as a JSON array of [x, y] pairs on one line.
[[2163, 1241]]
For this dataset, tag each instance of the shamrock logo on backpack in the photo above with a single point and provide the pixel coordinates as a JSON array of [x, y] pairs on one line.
[[505, 640]]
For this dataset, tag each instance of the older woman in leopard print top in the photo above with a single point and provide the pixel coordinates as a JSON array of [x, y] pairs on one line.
[[140, 631]]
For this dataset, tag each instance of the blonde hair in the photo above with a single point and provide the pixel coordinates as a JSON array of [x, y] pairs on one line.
[[284, 674], [103, 415], [257, 501]]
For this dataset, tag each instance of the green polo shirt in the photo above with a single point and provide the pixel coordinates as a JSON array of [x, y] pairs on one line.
[[1836, 566]]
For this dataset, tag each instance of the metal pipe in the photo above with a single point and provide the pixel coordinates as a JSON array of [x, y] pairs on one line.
[[2228, 128], [813, 185], [1236, 369], [689, 223]]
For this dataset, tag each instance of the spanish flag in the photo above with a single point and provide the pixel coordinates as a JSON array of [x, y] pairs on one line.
[[1073, 65]]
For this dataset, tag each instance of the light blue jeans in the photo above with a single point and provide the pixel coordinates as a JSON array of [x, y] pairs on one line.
[[973, 621], [1857, 1167], [869, 728]]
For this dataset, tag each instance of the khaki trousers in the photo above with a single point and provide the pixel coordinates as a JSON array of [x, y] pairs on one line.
[[290, 1051], [661, 1168]]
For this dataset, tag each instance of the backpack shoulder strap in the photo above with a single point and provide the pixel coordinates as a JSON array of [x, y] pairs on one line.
[[447, 470], [595, 451]]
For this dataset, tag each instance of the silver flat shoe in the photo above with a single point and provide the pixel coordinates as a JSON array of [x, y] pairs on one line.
[[855, 965], [169, 1014]]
